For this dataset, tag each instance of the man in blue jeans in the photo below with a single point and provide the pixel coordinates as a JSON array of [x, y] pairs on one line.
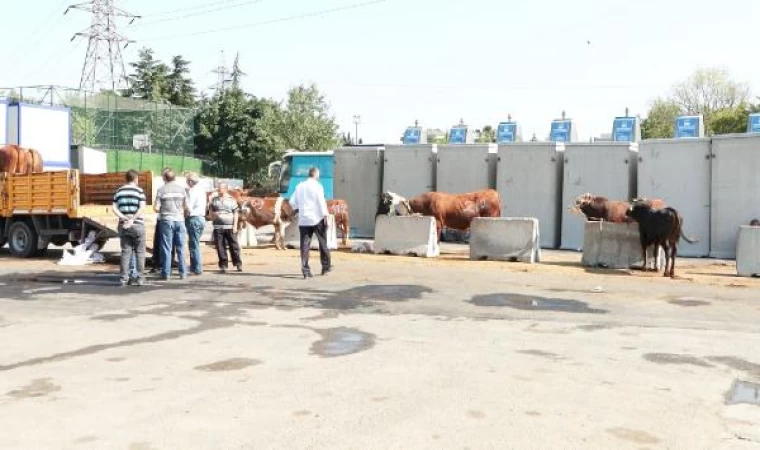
[[196, 220], [171, 204]]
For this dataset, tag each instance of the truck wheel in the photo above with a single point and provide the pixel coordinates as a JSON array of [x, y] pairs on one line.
[[22, 240]]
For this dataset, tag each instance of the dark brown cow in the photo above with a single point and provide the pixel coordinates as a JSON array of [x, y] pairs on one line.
[[661, 228], [597, 208], [339, 209], [454, 211], [15, 159]]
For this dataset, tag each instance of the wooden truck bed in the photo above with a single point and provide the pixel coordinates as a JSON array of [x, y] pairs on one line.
[[64, 192]]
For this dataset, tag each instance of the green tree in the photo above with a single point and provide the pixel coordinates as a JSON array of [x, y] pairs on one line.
[[149, 79], [729, 120], [487, 135], [709, 90], [660, 122], [306, 123], [181, 91]]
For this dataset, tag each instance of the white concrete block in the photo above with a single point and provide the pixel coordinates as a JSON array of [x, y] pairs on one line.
[[505, 239], [292, 236], [400, 235], [748, 251], [247, 237], [614, 246]]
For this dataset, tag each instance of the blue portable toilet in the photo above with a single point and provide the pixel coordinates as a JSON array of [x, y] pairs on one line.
[[690, 127], [508, 131], [753, 124], [415, 135], [563, 130], [626, 129], [461, 134]]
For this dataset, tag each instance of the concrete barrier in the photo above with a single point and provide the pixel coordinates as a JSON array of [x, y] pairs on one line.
[[748, 251], [247, 237], [406, 236], [505, 239], [292, 236], [614, 246]]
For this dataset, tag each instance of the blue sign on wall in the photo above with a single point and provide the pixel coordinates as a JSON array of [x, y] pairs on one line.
[[754, 123], [507, 132], [560, 131], [687, 127], [623, 129], [412, 136], [458, 135]]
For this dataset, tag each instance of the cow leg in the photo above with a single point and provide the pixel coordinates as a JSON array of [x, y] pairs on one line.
[[346, 229], [673, 251], [644, 266], [666, 248], [656, 252]]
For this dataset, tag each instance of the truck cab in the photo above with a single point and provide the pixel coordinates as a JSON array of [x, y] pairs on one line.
[[295, 166]]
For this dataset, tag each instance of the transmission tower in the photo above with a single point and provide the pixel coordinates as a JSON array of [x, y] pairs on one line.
[[223, 74], [103, 66]]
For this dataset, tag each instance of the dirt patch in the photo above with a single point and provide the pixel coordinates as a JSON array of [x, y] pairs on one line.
[[40, 387], [542, 354], [737, 364], [229, 364], [674, 358], [635, 436], [472, 414]]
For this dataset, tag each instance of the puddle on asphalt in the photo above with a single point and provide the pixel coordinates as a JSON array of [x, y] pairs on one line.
[[688, 302], [534, 303], [229, 364], [743, 392], [365, 295], [342, 341]]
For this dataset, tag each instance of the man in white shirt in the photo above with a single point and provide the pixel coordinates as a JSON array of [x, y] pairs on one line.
[[308, 201], [195, 220]]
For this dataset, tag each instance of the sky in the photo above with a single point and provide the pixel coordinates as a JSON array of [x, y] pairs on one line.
[[396, 61]]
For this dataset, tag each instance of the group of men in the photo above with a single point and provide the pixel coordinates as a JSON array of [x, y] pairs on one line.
[[183, 211]]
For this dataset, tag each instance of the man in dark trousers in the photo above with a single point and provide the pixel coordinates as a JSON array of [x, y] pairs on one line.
[[309, 201], [129, 206], [225, 215]]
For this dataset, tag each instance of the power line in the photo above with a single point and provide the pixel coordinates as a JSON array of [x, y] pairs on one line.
[[189, 8], [41, 32], [197, 13], [270, 22]]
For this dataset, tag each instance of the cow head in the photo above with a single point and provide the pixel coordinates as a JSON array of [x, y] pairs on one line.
[[581, 202], [755, 223], [639, 209], [392, 204]]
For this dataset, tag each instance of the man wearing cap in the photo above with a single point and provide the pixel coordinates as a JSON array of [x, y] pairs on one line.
[[195, 221]]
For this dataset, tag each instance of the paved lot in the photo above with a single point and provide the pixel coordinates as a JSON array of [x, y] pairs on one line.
[[387, 352]]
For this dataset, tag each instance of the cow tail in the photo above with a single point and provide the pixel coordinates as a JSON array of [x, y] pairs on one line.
[[683, 236]]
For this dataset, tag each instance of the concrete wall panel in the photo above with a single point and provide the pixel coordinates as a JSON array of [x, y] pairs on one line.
[[529, 181], [605, 169], [409, 170], [358, 179], [678, 171], [464, 168], [735, 190]]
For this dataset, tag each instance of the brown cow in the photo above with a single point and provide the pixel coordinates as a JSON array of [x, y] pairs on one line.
[[262, 211], [454, 211], [339, 209], [15, 159], [602, 209]]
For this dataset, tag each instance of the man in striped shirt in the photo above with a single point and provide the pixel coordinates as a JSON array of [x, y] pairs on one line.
[[171, 204], [129, 206]]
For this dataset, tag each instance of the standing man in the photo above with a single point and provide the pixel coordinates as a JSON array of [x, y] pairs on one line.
[[196, 221], [225, 215], [309, 201], [171, 204], [129, 206]]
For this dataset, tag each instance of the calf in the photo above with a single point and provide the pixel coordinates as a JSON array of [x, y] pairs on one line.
[[258, 212], [339, 209], [661, 228]]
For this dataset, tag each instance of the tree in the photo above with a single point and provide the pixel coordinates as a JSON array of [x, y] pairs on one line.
[[237, 72], [709, 90], [487, 135], [181, 91], [306, 123], [660, 122], [149, 79], [730, 120]]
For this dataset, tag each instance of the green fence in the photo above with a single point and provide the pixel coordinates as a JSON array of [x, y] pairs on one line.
[[123, 160]]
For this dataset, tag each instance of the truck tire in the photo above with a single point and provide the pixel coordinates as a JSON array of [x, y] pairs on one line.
[[22, 239]]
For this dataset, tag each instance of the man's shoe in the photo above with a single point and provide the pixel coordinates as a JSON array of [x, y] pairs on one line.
[[326, 270], [222, 270], [307, 275], [239, 268], [182, 277], [163, 278], [140, 282], [125, 282]]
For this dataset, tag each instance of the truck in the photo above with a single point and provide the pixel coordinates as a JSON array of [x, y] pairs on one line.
[[295, 166], [59, 207]]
